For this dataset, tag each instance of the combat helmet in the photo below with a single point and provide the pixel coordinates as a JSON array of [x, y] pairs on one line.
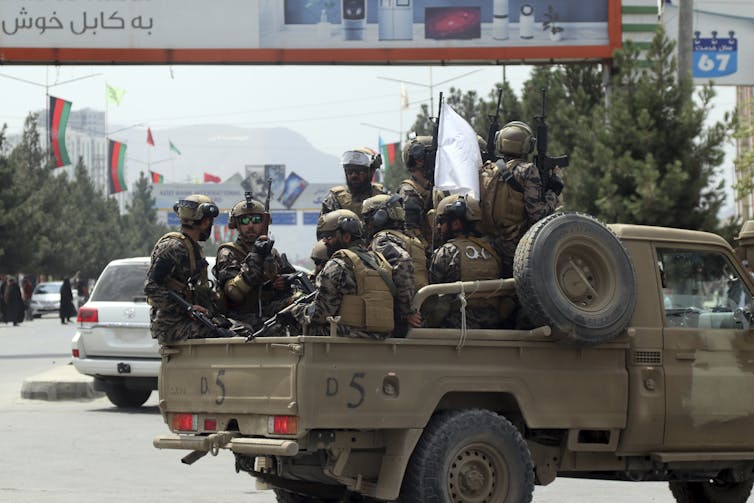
[[319, 252], [383, 208], [465, 207], [195, 207], [515, 138], [247, 206], [415, 148], [343, 220], [363, 156]]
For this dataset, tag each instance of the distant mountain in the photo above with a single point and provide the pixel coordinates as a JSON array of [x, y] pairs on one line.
[[224, 151]]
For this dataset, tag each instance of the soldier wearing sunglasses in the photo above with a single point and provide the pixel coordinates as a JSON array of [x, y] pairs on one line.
[[359, 166], [249, 270]]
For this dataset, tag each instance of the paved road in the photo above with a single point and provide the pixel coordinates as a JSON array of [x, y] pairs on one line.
[[89, 451]]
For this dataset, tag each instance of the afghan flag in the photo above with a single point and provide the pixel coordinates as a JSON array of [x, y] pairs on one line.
[[390, 154], [116, 160], [211, 178], [58, 120], [156, 177]]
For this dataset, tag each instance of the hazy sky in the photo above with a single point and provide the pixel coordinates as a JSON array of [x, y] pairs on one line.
[[329, 105]]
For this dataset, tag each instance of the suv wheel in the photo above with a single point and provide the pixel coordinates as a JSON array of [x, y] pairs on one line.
[[122, 396]]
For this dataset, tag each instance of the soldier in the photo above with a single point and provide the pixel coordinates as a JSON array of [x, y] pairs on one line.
[[178, 265], [384, 217], [320, 257], [249, 270], [515, 198], [463, 257], [416, 191], [355, 284], [359, 166]]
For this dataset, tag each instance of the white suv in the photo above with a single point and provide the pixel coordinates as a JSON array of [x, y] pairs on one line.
[[113, 343]]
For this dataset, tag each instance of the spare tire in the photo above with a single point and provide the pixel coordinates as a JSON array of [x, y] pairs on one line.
[[573, 273]]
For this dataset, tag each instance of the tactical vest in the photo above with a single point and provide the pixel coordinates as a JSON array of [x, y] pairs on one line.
[[424, 233], [502, 197], [237, 295], [348, 202], [478, 262], [416, 249], [191, 295], [371, 308]]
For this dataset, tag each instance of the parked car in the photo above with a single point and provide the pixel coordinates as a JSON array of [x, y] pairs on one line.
[[113, 343], [46, 298]]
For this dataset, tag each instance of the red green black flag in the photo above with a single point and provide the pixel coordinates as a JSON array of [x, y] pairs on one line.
[[58, 120], [156, 177], [390, 153], [116, 176]]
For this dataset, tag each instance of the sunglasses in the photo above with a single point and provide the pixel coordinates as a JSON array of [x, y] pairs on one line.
[[250, 219]]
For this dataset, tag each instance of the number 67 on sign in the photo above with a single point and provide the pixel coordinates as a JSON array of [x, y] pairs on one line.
[[715, 57]]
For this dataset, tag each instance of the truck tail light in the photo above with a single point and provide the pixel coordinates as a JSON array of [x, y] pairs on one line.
[[75, 353], [283, 425], [210, 425], [184, 422], [87, 315]]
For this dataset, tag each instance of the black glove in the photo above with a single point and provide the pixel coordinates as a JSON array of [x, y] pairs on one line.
[[286, 318], [263, 247], [556, 184]]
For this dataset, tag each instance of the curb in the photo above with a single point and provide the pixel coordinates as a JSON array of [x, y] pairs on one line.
[[59, 383]]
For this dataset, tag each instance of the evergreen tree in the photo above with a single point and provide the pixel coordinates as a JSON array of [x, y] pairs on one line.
[[141, 219]]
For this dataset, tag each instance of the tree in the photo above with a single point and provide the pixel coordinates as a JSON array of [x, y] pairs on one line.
[[141, 219]]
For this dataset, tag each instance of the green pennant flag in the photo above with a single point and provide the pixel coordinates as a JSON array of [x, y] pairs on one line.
[[114, 94], [173, 148]]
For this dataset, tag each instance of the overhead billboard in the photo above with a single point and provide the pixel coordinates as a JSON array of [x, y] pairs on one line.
[[723, 42], [306, 31]]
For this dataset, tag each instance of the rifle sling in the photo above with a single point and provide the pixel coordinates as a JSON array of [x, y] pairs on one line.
[[507, 176]]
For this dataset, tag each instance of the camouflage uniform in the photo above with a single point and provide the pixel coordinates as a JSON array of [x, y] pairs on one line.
[[263, 301], [341, 197], [416, 196], [535, 208], [446, 268], [171, 269], [336, 280], [390, 247]]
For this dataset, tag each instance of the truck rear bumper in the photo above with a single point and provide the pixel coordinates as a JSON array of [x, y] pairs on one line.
[[228, 440]]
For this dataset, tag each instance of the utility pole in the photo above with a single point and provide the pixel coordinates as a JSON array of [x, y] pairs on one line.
[[685, 38]]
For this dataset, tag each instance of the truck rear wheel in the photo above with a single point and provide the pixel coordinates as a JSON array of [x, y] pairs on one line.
[[573, 273], [469, 456], [711, 492], [121, 396]]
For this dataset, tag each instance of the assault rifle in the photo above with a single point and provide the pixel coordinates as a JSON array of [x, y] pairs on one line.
[[493, 129], [306, 286], [546, 164], [203, 318], [430, 157]]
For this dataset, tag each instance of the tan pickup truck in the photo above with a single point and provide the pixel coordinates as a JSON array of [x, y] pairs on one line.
[[639, 365]]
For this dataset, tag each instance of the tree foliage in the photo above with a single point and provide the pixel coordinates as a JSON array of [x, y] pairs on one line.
[[57, 225]]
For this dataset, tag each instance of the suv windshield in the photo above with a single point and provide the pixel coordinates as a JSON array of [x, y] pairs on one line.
[[121, 283]]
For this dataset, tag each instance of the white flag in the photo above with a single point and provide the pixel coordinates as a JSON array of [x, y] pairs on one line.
[[458, 156], [404, 96]]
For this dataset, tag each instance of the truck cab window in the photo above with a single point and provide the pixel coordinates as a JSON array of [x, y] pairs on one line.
[[701, 289]]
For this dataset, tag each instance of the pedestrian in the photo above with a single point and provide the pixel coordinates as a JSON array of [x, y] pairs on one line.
[[359, 166], [27, 288], [3, 288], [67, 308], [178, 265], [14, 303], [249, 270]]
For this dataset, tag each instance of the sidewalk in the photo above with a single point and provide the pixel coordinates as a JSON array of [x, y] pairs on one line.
[[59, 383]]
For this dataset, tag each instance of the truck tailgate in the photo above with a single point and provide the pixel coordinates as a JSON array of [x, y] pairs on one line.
[[230, 376]]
